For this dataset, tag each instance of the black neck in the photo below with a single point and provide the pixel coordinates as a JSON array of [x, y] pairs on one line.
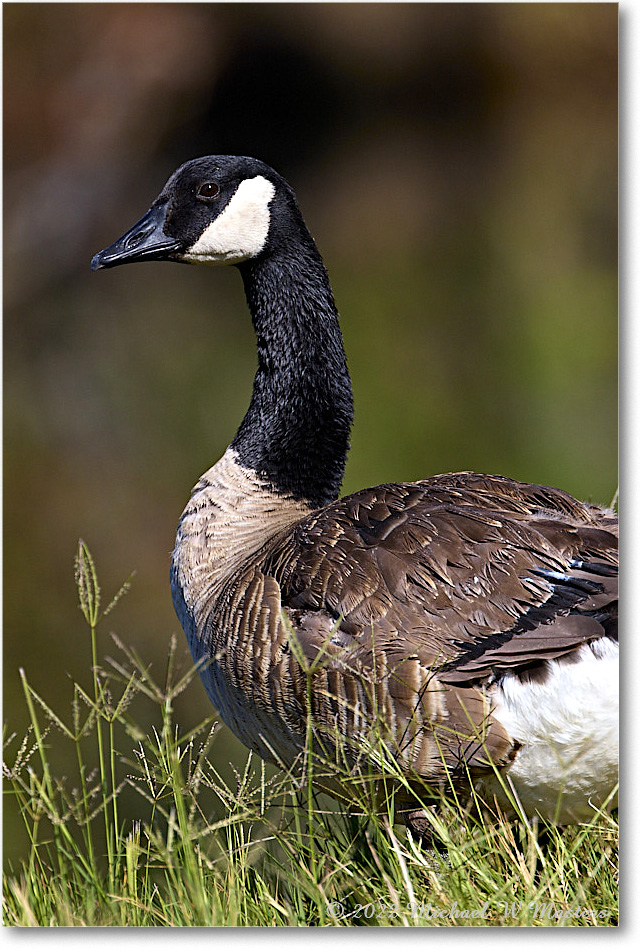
[[296, 430]]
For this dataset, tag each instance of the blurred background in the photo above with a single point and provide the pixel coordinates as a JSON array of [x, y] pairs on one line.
[[457, 165]]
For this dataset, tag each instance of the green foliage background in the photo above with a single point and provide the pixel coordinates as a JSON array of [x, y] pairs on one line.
[[457, 165]]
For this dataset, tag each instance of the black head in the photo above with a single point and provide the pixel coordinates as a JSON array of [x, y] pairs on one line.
[[222, 209]]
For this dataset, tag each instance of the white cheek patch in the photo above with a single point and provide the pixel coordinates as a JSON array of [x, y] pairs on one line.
[[241, 230]]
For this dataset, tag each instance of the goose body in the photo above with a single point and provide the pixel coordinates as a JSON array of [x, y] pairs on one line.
[[472, 617]]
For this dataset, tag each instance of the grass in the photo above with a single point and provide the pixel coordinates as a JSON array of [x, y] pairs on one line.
[[263, 849]]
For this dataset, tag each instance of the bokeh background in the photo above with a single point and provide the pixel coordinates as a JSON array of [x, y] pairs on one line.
[[457, 165]]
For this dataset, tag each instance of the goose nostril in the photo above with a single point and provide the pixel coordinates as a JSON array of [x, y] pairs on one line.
[[135, 239]]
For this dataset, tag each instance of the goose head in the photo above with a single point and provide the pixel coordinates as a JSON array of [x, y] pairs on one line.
[[221, 209]]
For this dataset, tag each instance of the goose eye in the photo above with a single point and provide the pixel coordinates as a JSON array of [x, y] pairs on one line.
[[208, 190]]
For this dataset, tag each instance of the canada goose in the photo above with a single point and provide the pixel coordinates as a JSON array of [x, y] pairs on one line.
[[476, 616]]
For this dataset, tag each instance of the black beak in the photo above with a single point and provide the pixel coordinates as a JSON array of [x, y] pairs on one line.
[[146, 241]]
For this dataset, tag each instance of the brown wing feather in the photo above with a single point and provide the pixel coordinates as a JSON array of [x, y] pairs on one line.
[[445, 566], [406, 601], [448, 582]]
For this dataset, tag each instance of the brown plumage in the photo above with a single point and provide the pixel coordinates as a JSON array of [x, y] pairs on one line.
[[412, 600], [469, 620]]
